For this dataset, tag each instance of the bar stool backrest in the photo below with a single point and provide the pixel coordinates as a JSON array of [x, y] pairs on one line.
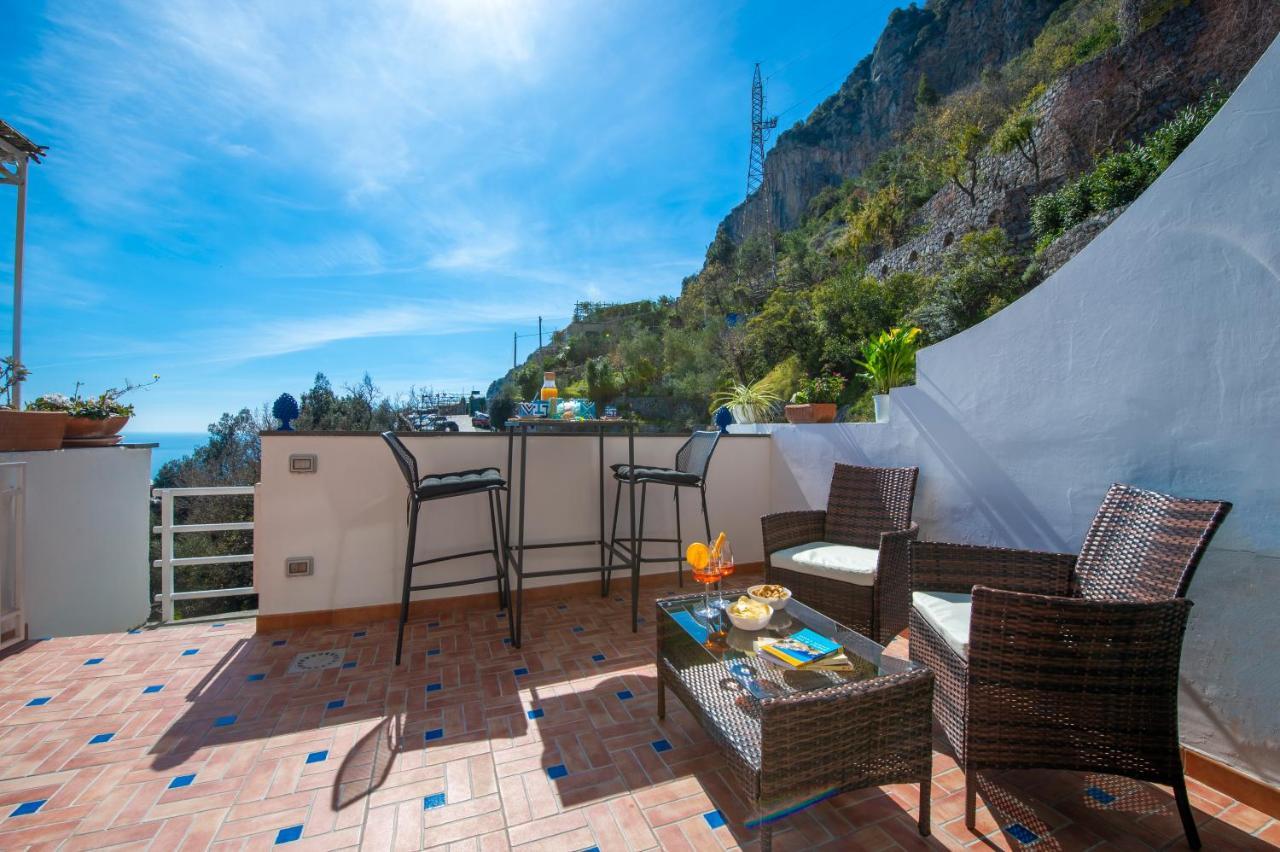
[[404, 458], [694, 456]]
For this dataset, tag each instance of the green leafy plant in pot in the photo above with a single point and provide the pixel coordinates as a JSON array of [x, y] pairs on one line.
[[25, 430], [95, 420], [816, 400], [889, 361], [747, 403]]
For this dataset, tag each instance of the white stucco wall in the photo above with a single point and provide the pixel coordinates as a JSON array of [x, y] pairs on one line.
[[350, 515], [85, 539], [1153, 358]]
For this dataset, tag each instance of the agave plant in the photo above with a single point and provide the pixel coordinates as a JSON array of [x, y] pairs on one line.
[[751, 400], [889, 360]]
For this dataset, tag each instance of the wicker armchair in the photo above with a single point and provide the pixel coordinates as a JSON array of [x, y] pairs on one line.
[[1014, 637], [850, 562]]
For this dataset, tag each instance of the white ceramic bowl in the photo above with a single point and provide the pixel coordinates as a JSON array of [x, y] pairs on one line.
[[776, 603], [747, 622]]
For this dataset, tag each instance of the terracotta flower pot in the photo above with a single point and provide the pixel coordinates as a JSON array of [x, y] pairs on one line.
[[31, 430], [813, 412], [79, 428]]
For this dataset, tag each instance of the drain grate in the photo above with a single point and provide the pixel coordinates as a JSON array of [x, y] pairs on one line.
[[314, 661]]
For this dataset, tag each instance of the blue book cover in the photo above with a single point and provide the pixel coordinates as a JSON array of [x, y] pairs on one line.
[[803, 648]]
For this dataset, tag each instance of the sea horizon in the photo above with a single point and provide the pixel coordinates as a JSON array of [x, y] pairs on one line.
[[172, 445]]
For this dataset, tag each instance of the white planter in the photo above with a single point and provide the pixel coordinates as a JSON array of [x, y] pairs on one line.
[[882, 407], [742, 414]]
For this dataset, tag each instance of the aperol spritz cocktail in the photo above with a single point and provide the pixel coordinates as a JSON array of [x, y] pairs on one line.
[[706, 572]]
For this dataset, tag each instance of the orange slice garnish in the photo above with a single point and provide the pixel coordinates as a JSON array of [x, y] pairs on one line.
[[698, 556]]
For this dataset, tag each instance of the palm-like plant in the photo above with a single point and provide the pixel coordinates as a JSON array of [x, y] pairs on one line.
[[889, 359]]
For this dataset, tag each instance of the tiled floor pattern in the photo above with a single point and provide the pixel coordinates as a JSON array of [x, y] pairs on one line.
[[197, 737]]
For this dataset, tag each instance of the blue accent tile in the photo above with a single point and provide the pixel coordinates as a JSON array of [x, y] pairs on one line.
[[219, 625], [1022, 834], [100, 738], [433, 734], [191, 652], [557, 771], [534, 714], [134, 632], [349, 664], [435, 687], [433, 652], [182, 781], [360, 634], [278, 643], [38, 702], [597, 658], [661, 745], [591, 849], [93, 661], [288, 835], [432, 625], [506, 640], [223, 721], [335, 704], [625, 695], [154, 688], [433, 801], [318, 756], [618, 599], [258, 676], [501, 615], [28, 808], [1100, 795], [561, 607], [577, 629], [520, 672], [640, 619], [715, 819]]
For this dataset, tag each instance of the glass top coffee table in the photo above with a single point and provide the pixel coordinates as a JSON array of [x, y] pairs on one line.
[[795, 737]]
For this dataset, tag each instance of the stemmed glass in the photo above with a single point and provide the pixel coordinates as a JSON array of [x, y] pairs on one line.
[[725, 569], [706, 575]]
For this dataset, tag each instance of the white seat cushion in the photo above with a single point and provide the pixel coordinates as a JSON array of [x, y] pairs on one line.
[[843, 562], [948, 614]]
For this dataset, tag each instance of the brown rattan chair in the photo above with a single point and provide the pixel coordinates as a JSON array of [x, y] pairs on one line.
[[850, 562], [1053, 661]]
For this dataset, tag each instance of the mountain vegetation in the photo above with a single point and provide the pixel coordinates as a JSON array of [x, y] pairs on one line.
[[777, 304]]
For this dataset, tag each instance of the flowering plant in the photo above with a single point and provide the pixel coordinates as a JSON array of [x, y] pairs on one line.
[[100, 407], [824, 389], [11, 373]]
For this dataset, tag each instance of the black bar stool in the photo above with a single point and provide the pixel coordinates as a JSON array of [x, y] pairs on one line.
[[441, 486], [690, 471]]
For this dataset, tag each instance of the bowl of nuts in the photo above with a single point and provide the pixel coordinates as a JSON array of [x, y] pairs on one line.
[[772, 594]]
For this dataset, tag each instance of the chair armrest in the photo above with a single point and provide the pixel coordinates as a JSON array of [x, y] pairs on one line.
[[787, 529], [1067, 682], [943, 567], [893, 582]]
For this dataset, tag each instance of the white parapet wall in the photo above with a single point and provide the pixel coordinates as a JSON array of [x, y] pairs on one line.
[[85, 539], [1152, 358], [349, 516]]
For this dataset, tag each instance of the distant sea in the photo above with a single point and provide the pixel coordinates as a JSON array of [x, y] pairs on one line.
[[173, 445]]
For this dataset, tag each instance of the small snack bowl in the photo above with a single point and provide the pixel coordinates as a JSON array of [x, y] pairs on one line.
[[772, 594], [748, 614]]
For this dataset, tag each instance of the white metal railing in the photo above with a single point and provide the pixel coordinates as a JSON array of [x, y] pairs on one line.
[[167, 561], [12, 505]]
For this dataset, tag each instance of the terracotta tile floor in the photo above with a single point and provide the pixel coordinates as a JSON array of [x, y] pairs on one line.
[[196, 736]]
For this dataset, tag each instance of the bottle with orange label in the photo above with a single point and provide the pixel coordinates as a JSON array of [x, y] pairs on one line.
[[549, 392]]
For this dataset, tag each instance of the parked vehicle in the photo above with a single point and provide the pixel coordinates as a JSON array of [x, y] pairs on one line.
[[480, 420]]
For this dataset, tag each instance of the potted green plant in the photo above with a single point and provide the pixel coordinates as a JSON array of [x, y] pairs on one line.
[[816, 400], [889, 361], [747, 403], [26, 430], [95, 420]]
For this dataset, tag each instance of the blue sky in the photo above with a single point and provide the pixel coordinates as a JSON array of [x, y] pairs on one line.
[[239, 195]]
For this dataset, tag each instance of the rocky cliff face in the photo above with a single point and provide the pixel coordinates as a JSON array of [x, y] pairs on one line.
[[948, 41]]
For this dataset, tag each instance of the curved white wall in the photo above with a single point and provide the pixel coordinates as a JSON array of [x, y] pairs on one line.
[[1153, 357]]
